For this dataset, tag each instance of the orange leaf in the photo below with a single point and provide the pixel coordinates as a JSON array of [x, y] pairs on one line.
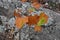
[[43, 15], [38, 28], [20, 21], [33, 19], [36, 5]]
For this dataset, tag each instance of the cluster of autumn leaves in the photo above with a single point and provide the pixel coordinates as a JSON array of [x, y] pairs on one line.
[[31, 20], [35, 20]]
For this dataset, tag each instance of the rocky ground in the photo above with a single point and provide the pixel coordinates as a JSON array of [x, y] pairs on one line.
[[46, 34]]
